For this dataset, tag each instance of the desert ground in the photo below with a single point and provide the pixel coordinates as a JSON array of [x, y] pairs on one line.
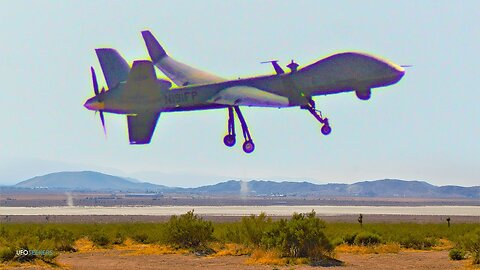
[[127, 259], [117, 260], [39, 199], [135, 257]]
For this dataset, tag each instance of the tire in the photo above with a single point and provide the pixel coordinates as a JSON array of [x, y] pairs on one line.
[[326, 129], [229, 140], [248, 147]]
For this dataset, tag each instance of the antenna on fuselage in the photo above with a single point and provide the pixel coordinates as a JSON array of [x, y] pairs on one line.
[[275, 65], [292, 66]]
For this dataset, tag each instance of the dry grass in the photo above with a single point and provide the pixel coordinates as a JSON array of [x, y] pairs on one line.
[[470, 266], [84, 245], [130, 246], [147, 249], [267, 257], [443, 244], [272, 257], [377, 249], [230, 249]]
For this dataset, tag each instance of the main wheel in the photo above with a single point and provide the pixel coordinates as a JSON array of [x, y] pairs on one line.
[[229, 140], [326, 129], [248, 147]]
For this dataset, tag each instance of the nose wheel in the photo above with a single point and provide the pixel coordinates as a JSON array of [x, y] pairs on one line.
[[326, 128], [229, 140]]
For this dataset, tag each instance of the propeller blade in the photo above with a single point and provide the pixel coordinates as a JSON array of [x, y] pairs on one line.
[[94, 79], [102, 118]]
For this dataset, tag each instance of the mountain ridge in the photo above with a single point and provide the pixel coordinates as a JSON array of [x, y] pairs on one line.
[[95, 181]]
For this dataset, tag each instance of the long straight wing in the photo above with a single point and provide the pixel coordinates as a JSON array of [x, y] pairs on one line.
[[181, 74], [141, 127]]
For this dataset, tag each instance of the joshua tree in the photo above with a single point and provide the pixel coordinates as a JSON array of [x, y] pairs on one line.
[[448, 222], [360, 220]]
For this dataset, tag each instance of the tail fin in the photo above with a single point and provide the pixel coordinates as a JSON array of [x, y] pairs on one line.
[[114, 67], [154, 48]]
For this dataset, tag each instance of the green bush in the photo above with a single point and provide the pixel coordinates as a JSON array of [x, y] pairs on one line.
[[418, 242], [456, 254], [300, 237], [119, 238], [471, 244], [350, 238], [7, 253], [60, 239], [188, 231], [252, 229], [140, 237], [100, 239], [367, 239]]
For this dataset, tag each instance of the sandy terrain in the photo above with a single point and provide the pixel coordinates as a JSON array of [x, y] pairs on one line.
[[115, 259], [13, 199]]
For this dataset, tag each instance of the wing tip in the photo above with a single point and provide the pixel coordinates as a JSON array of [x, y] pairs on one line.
[[155, 50]]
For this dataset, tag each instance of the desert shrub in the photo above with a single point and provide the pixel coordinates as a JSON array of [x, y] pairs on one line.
[[140, 237], [56, 239], [301, 236], [456, 254], [3, 232], [416, 241], [349, 239], [337, 241], [253, 227], [367, 239], [471, 244], [188, 231], [7, 253], [119, 238], [100, 238], [249, 231]]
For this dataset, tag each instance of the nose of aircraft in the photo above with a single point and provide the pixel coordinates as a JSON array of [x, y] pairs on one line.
[[397, 71], [400, 71], [94, 105]]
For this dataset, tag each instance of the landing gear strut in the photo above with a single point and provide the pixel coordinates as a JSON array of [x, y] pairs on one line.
[[326, 129], [229, 139]]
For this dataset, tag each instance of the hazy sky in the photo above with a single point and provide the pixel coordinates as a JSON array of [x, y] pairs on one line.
[[427, 127]]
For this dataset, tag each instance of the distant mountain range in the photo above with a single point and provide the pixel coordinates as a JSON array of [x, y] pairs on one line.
[[99, 182], [87, 181]]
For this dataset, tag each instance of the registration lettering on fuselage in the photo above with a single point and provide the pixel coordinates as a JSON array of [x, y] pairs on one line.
[[180, 97]]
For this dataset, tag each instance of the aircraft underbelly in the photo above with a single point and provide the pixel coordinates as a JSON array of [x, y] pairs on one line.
[[248, 96]]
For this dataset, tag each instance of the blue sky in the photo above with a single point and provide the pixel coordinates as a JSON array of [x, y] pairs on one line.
[[426, 127]]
